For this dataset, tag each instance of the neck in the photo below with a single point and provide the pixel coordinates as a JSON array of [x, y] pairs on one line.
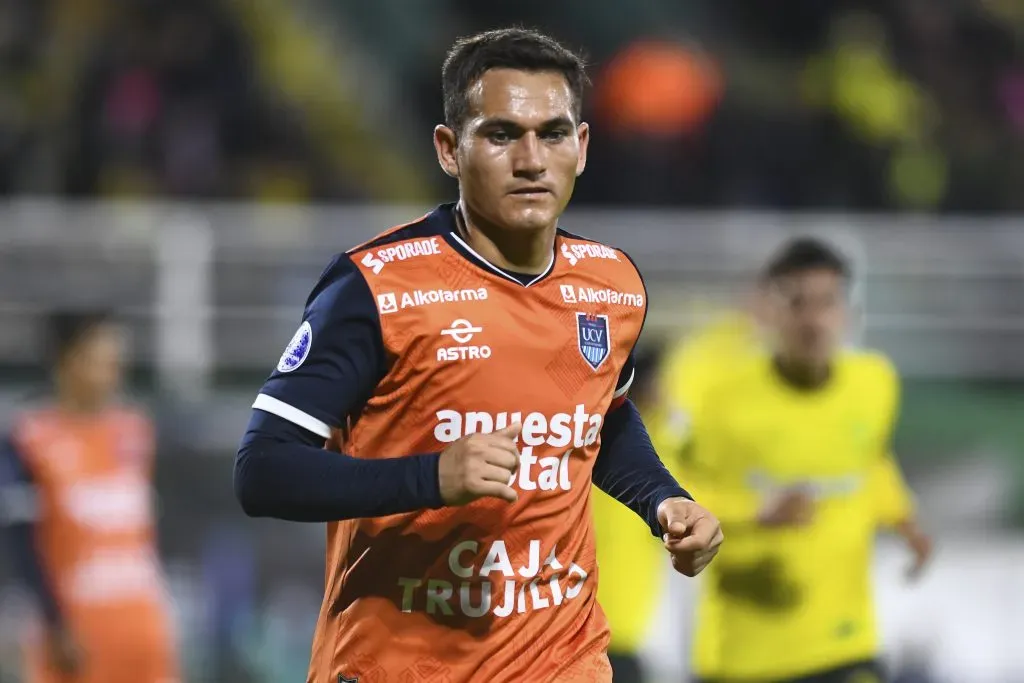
[[802, 375], [527, 252], [77, 406], [73, 402]]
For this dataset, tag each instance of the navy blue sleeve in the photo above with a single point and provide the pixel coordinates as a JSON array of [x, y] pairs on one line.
[[19, 520], [283, 471], [628, 468], [326, 374], [336, 358]]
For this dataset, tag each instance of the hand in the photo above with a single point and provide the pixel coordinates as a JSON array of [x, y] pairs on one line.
[[479, 466], [920, 545], [692, 535], [65, 654], [793, 508]]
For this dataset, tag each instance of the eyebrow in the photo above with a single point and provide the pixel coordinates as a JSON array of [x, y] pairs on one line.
[[557, 122]]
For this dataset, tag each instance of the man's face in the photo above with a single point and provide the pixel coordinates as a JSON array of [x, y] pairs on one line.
[[808, 314], [519, 153], [94, 366]]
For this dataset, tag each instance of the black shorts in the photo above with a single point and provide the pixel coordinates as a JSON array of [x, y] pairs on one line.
[[859, 672]]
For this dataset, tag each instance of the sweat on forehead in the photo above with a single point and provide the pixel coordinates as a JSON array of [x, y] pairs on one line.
[[528, 98]]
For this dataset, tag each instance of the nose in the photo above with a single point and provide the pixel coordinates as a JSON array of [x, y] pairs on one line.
[[529, 157]]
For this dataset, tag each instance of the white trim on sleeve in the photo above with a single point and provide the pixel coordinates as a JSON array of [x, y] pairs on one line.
[[621, 391], [278, 407]]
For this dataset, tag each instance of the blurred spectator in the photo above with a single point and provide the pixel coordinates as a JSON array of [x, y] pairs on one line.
[[858, 104], [20, 27], [650, 101], [163, 99], [164, 105], [657, 89]]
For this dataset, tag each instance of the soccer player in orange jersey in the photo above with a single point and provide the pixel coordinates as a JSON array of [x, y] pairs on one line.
[[75, 503], [468, 372]]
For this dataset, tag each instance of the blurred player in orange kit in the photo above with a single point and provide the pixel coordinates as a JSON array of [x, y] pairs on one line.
[[470, 372], [75, 502]]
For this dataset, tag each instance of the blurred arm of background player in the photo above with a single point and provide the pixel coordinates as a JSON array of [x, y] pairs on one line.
[[19, 518], [894, 501], [895, 506]]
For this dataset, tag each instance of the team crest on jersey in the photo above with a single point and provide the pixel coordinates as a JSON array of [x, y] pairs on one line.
[[297, 350], [593, 334]]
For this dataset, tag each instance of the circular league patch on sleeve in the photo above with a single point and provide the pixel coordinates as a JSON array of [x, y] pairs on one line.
[[297, 350]]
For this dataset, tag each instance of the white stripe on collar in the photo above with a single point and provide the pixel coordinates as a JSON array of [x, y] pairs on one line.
[[499, 271]]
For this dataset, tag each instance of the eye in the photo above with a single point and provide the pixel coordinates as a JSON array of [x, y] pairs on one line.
[[499, 137], [555, 135]]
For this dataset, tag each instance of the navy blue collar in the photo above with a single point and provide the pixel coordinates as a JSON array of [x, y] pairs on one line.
[[446, 220]]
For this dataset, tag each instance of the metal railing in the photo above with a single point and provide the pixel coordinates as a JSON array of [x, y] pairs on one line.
[[221, 286]]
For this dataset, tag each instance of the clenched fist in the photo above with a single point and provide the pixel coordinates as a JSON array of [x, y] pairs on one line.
[[479, 466], [692, 535]]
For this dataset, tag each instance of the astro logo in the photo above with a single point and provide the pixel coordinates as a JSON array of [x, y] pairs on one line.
[[462, 332]]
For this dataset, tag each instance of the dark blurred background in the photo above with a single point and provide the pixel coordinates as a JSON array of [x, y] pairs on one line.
[[911, 104]]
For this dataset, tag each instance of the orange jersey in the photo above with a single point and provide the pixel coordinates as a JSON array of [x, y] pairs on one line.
[[490, 591], [96, 541]]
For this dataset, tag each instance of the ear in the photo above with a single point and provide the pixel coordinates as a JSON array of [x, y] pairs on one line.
[[583, 133], [446, 145]]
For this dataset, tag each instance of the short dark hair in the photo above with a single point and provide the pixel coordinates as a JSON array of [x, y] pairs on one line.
[[508, 48], [65, 329], [804, 254]]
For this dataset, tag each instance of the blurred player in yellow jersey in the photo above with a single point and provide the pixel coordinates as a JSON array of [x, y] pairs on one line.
[[789, 441]]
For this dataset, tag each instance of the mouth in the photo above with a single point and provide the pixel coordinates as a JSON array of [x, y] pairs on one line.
[[531, 191]]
